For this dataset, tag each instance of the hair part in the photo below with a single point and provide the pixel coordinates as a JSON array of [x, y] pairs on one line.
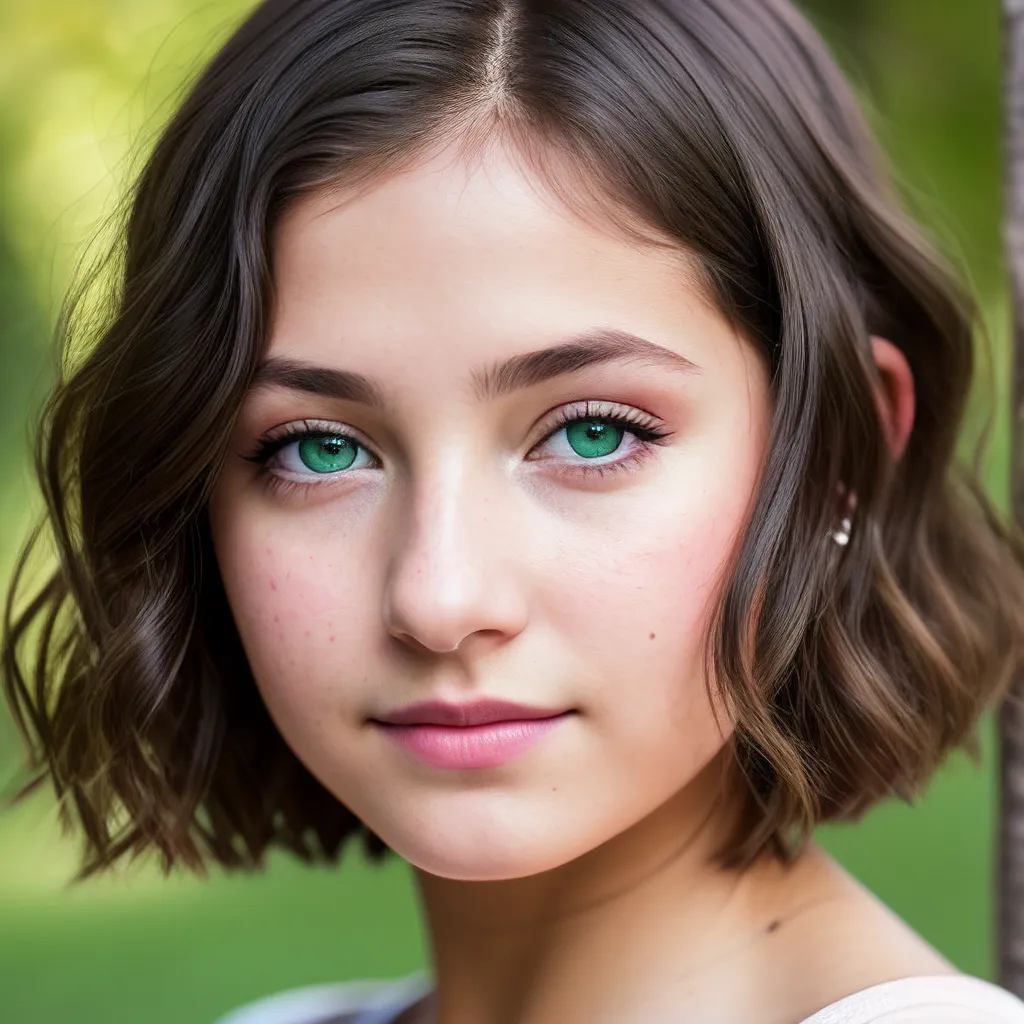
[[719, 129]]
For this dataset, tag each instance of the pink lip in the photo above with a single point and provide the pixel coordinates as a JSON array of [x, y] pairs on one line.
[[472, 746], [478, 712]]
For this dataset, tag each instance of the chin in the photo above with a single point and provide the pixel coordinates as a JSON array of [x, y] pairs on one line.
[[475, 865], [471, 852]]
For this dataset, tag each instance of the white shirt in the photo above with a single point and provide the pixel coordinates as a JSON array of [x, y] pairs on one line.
[[947, 999]]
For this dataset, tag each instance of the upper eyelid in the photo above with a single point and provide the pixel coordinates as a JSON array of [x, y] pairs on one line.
[[309, 425], [618, 410], [553, 414]]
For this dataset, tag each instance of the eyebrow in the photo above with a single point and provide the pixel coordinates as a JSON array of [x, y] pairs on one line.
[[489, 382]]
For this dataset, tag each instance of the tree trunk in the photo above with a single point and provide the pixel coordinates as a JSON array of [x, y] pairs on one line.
[[1010, 881]]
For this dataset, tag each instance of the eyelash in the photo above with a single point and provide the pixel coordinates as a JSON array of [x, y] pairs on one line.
[[632, 422]]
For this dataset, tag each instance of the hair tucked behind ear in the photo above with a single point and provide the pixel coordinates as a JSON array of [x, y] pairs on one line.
[[717, 127]]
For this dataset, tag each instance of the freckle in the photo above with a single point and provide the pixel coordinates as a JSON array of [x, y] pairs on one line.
[[651, 637]]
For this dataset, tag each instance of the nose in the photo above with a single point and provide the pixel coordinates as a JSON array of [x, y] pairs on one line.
[[453, 572]]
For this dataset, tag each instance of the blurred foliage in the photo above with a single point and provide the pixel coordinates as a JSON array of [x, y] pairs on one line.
[[83, 90]]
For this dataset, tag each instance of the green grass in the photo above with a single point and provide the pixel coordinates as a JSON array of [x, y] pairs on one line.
[[180, 950]]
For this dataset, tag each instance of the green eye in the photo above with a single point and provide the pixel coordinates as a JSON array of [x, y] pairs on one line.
[[327, 454], [593, 438]]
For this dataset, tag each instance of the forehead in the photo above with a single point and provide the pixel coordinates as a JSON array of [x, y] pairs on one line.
[[483, 202], [461, 256]]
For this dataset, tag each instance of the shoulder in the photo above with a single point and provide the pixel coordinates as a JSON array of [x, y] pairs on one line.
[[330, 1004], [942, 999], [844, 957]]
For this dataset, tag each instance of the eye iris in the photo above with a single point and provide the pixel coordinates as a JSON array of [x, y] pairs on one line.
[[327, 454], [592, 438]]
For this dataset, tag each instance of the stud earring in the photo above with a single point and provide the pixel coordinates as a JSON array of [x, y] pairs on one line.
[[842, 535]]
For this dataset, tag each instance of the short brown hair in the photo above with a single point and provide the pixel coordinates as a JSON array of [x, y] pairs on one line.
[[720, 126]]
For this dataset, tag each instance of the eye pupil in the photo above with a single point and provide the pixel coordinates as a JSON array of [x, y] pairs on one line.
[[593, 438], [327, 454]]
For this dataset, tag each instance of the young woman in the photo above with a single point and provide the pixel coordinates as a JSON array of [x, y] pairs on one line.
[[522, 439]]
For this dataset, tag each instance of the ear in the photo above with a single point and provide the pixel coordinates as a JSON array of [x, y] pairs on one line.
[[894, 393]]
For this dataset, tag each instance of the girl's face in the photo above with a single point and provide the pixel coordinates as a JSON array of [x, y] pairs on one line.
[[469, 518]]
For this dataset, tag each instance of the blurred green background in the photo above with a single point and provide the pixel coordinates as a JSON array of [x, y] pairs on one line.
[[84, 88]]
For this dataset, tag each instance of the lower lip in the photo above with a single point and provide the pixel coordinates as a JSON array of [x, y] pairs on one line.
[[473, 746]]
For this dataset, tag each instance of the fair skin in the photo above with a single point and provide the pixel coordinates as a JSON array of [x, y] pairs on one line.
[[467, 552]]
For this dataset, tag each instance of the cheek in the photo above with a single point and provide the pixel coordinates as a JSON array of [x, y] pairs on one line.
[[634, 601], [640, 618], [299, 607]]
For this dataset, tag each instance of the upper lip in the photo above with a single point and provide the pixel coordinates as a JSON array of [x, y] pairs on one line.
[[480, 712]]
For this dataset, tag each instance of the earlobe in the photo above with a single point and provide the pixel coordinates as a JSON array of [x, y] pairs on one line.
[[894, 394]]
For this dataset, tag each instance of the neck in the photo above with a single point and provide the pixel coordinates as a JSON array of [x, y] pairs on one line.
[[643, 914]]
